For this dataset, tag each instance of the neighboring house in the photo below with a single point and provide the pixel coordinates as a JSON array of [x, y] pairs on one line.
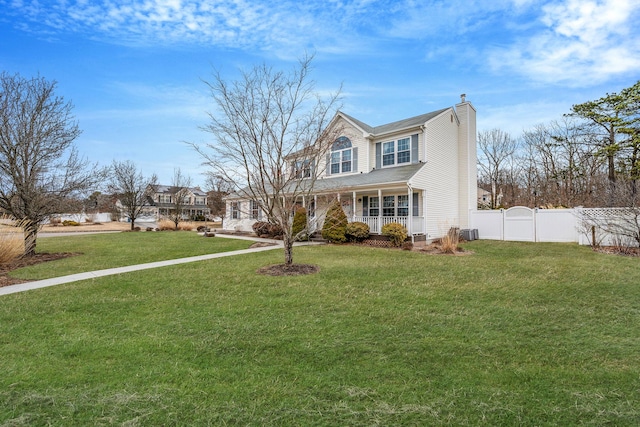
[[419, 172], [484, 198], [162, 203]]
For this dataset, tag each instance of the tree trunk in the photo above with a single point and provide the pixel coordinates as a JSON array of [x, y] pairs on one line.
[[133, 221], [288, 249], [30, 237]]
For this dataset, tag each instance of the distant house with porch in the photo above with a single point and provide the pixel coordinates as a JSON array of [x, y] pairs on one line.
[[420, 172], [163, 202]]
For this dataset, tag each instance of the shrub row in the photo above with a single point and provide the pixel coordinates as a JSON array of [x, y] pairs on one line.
[[267, 230]]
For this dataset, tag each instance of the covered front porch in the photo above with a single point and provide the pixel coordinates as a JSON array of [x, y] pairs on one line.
[[375, 208]]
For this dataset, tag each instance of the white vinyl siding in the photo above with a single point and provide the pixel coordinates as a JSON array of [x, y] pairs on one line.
[[441, 175]]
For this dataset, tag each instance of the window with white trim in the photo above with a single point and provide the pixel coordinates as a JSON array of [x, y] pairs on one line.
[[388, 205], [403, 205], [396, 152], [235, 210], [341, 156], [302, 168], [254, 209], [374, 206]]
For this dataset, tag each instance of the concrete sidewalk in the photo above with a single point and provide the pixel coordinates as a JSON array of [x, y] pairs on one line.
[[119, 270]]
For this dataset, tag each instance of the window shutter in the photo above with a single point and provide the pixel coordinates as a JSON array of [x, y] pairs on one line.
[[328, 165], [414, 148], [378, 155], [354, 160], [416, 207], [259, 211], [365, 205]]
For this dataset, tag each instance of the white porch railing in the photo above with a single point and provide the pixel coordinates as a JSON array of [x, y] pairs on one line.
[[375, 223]]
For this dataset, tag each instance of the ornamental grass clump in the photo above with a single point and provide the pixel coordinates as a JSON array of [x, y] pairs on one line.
[[449, 242], [335, 224], [396, 233], [11, 240], [165, 224], [357, 231]]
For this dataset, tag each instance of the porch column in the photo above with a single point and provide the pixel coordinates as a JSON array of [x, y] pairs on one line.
[[379, 211], [410, 213], [353, 207]]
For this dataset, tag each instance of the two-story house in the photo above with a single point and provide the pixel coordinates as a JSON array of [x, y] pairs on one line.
[[193, 203], [420, 172]]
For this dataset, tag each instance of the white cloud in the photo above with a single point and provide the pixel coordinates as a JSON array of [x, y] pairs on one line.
[[582, 42]]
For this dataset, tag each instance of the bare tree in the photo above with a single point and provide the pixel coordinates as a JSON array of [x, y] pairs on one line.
[[217, 189], [567, 171], [40, 169], [495, 148], [179, 196], [269, 130], [134, 190]]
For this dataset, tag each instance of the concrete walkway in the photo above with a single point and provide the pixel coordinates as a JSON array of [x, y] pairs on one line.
[[119, 270]]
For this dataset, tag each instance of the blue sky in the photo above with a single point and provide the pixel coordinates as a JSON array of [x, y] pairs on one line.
[[134, 69]]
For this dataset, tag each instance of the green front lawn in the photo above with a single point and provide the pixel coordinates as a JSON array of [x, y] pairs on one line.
[[516, 334], [100, 251]]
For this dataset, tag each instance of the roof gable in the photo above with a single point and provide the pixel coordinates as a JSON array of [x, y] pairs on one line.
[[399, 125]]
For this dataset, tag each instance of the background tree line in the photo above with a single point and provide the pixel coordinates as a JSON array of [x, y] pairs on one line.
[[589, 157]]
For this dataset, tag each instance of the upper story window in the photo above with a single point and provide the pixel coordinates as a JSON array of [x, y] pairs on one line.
[[342, 158], [302, 168], [396, 152]]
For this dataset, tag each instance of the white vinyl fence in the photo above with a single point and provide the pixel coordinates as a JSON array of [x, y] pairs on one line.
[[554, 225]]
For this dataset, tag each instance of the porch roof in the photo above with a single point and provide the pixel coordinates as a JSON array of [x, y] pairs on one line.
[[398, 175], [375, 178]]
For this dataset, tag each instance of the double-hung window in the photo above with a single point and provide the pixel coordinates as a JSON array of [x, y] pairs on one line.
[[403, 205], [398, 152], [254, 209], [374, 206], [302, 168], [403, 151], [235, 210], [389, 206]]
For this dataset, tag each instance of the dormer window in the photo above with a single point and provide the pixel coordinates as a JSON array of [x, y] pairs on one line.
[[342, 157]]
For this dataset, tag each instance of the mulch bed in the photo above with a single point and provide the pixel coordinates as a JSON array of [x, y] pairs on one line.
[[288, 270], [5, 280]]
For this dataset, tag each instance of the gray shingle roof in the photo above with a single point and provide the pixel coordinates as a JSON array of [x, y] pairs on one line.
[[377, 177], [394, 126]]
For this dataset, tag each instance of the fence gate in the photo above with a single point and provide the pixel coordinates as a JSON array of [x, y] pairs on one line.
[[519, 224]]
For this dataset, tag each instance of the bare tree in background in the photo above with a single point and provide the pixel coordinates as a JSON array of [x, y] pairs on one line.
[[270, 135], [217, 189], [179, 193], [495, 148], [40, 169], [134, 190]]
